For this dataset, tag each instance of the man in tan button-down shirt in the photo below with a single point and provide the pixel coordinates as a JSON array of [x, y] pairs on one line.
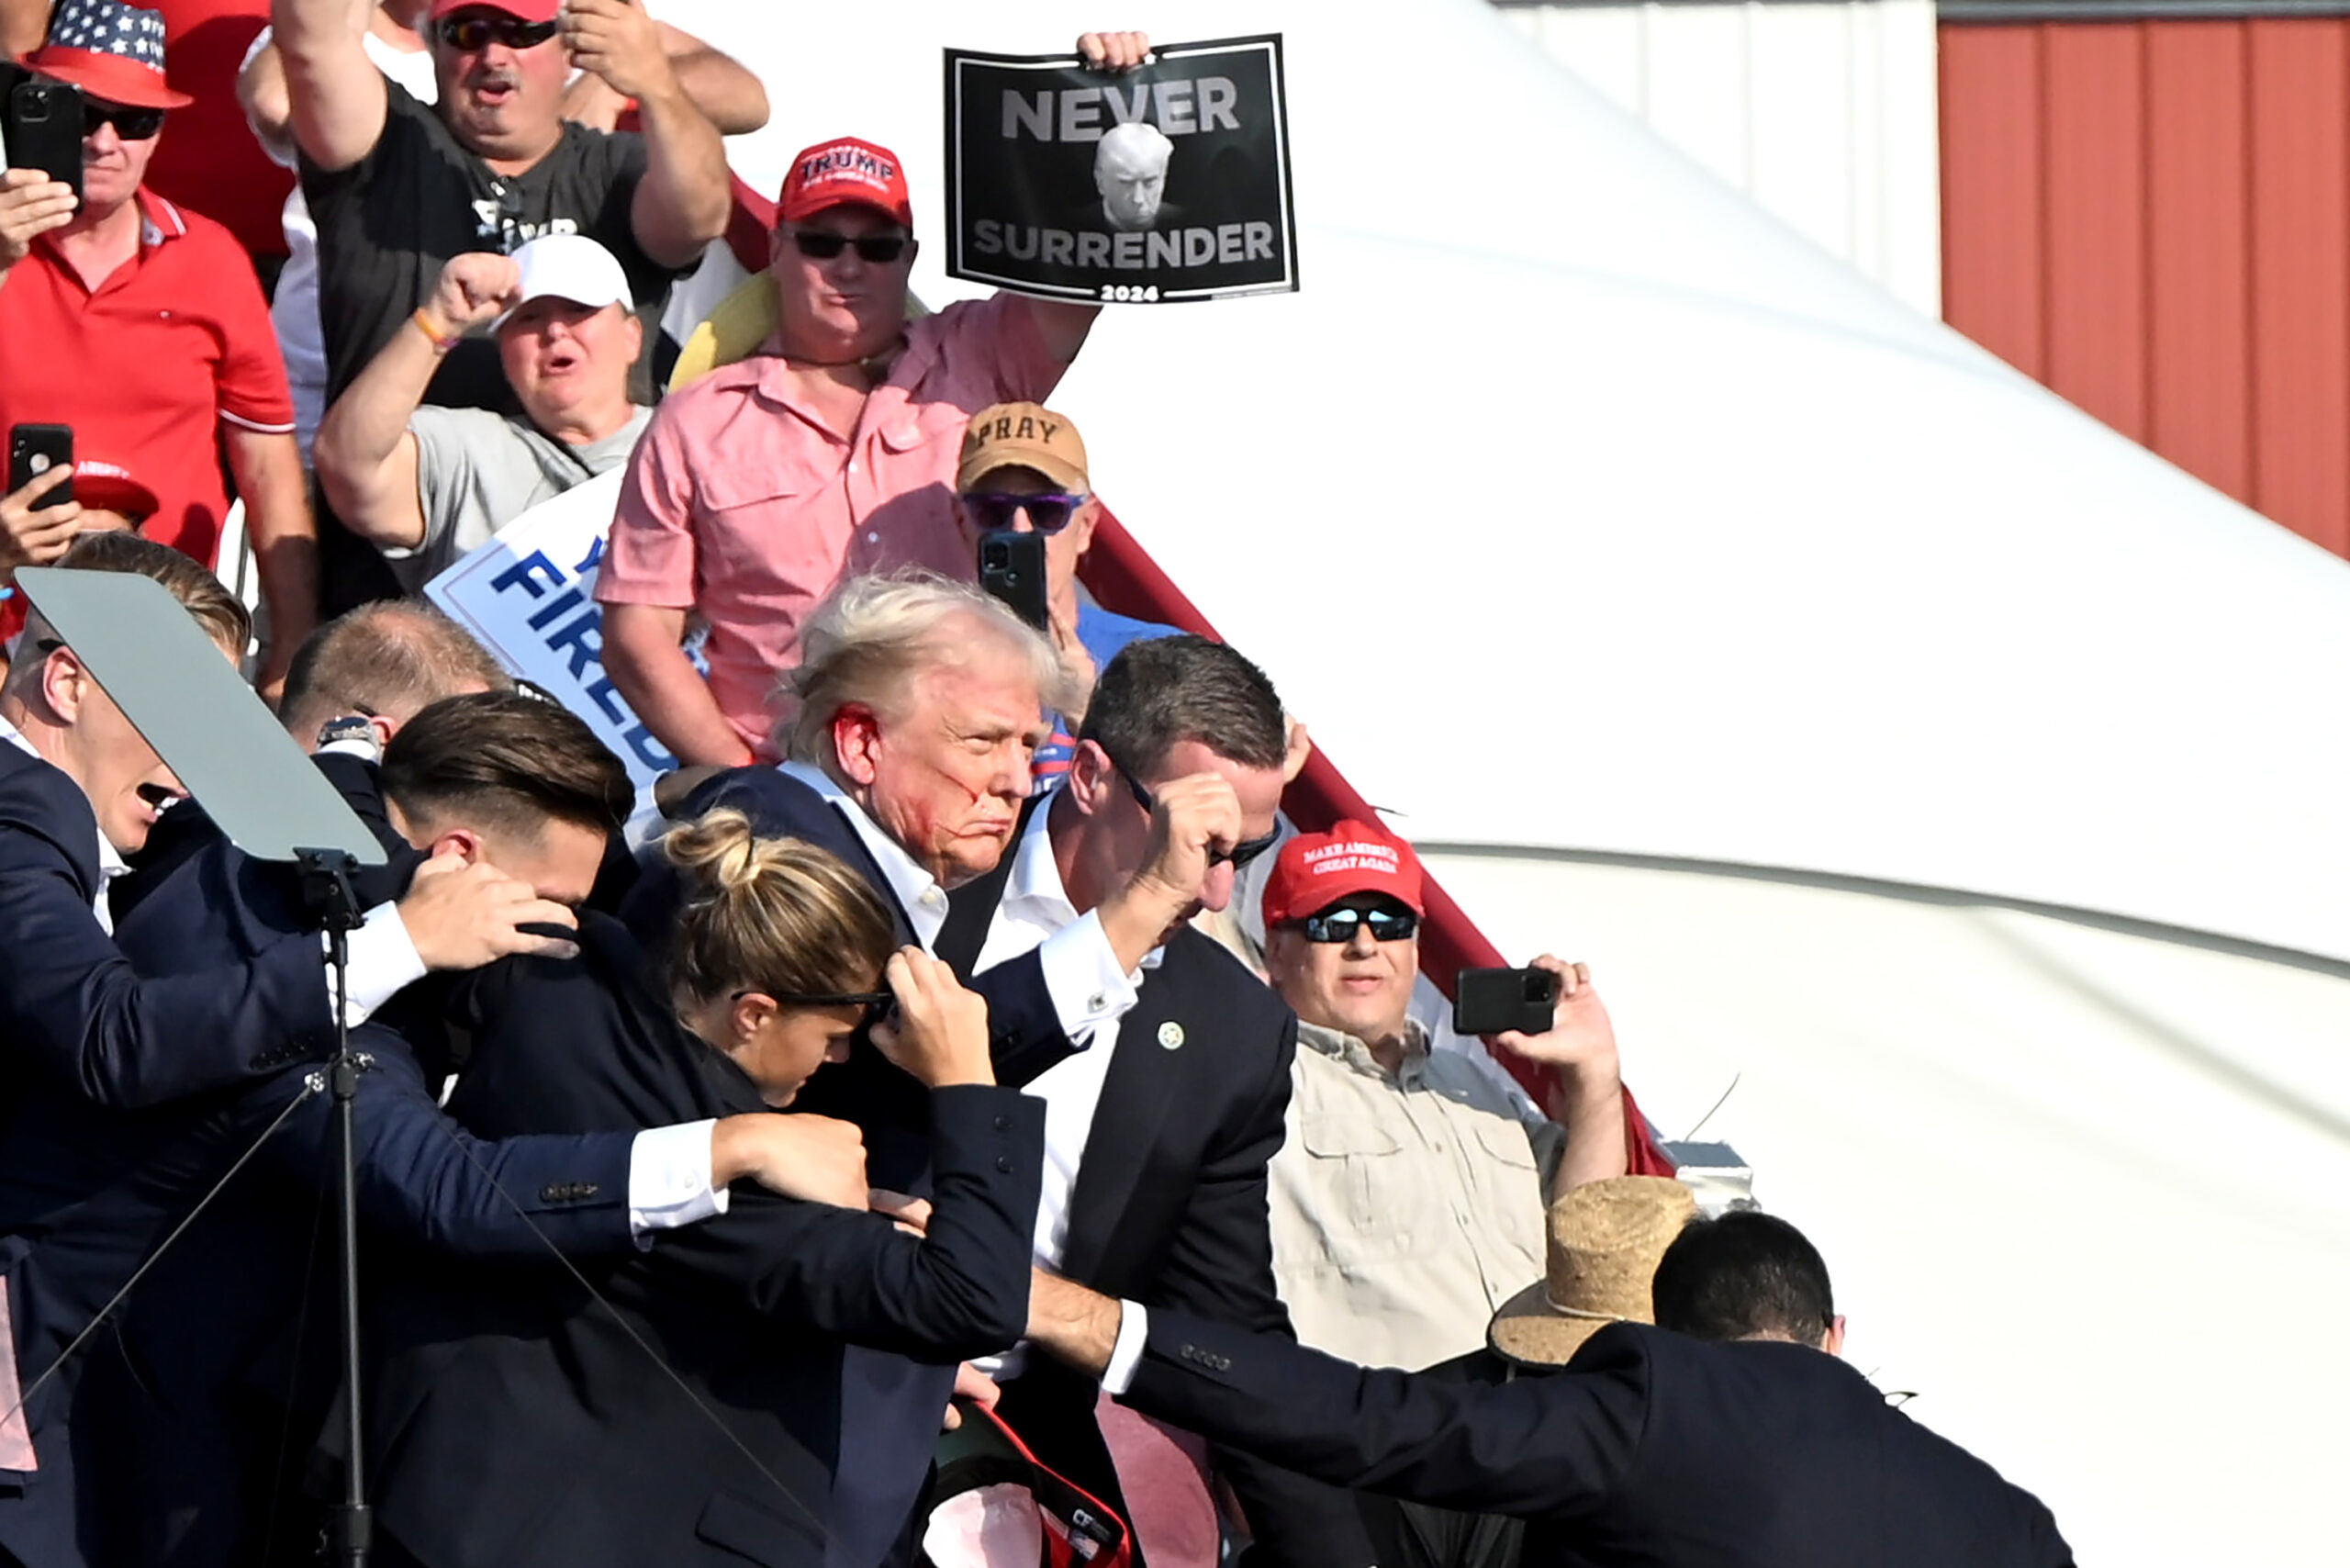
[[1407, 1199]]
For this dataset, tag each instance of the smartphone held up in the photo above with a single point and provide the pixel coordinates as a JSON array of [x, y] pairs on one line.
[[1495, 1002], [43, 130]]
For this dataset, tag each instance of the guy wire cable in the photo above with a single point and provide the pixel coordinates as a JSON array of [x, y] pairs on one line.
[[450, 1130], [292, 1378], [312, 1084]]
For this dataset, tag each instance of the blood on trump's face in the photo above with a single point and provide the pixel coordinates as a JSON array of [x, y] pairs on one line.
[[946, 770]]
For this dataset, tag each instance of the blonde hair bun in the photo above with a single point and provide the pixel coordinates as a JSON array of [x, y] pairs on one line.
[[718, 851], [770, 913]]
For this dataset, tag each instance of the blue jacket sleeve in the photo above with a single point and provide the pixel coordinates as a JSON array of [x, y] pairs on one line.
[[424, 1178], [958, 1292], [1540, 1447], [71, 1007]]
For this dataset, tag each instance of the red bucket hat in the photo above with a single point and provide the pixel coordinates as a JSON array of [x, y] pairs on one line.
[[110, 50], [841, 171], [1316, 871]]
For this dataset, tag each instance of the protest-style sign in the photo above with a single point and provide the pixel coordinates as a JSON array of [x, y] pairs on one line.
[[529, 595], [1167, 182]]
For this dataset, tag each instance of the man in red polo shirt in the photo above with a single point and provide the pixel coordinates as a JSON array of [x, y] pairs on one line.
[[141, 324]]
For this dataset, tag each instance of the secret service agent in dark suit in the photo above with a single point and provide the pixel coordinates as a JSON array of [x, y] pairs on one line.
[[187, 832], [161, 1412], [526, 1425], [73, 1013], [1647, 1447], [149, 1434], [1168, 1206], [187, 1397]]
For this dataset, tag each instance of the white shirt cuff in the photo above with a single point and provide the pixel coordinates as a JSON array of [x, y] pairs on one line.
[[668, 1178], [1082, 976], [383, 962], [1125, 1356]]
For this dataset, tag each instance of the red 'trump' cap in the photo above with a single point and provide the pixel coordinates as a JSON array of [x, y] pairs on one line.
[[845, 170]]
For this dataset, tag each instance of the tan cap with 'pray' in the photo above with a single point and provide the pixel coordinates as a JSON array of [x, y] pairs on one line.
[[1021, 435]]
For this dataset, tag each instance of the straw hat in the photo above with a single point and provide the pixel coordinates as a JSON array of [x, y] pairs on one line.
[[1605, 1238]]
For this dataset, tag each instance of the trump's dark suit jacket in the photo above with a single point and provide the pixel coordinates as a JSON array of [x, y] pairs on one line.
[[1647, 1448], [519, 1423]]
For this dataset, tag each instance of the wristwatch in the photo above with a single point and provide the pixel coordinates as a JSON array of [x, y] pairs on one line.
[[353, 734]]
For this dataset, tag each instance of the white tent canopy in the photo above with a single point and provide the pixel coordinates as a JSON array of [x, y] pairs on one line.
[[1736, 556], [1586, 512]]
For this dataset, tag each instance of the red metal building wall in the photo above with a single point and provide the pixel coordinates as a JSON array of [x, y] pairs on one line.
[[2153, 218]]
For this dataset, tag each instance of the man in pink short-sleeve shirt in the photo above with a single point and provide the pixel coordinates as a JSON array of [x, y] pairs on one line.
[[829, 453]]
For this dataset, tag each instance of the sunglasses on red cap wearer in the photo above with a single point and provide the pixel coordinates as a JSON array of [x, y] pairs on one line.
[[822, 245], [1337, 925]]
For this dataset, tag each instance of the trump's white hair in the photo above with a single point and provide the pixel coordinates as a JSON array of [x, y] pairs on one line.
[[868, 642]]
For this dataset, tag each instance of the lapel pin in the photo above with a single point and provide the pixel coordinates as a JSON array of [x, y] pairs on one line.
[[1170, 1033]]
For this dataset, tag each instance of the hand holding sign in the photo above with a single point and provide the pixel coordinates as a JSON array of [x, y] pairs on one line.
[[474, 288], [1114, 52]]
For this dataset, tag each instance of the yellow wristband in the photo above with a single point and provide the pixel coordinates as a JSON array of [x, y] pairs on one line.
[[442, 341]]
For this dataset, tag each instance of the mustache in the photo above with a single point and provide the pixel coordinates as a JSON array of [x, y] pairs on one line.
[[494, 76]]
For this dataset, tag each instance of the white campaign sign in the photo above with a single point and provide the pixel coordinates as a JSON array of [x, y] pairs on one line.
[[530, 595]]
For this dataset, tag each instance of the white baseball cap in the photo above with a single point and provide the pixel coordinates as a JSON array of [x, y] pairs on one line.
[[573, 267]]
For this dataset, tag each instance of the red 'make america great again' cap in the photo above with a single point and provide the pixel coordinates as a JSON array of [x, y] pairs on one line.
[[844, 172], [1316, 870]]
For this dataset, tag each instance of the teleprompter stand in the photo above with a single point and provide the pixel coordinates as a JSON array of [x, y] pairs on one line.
[[185, 699], [333, 908]]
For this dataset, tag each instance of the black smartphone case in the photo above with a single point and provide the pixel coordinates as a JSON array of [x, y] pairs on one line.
[[45, 131]]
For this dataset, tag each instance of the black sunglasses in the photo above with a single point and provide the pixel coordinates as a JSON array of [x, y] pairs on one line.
[[878, 1004], [1047, 514], [1341, 924], [822, 245], [131, 123], [470, 35], [1239, 855]]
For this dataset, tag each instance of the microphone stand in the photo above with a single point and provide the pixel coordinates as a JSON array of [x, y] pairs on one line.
[[333, 908]]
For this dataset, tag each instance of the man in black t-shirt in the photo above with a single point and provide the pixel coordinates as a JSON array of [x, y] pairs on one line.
[[397, 187]]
